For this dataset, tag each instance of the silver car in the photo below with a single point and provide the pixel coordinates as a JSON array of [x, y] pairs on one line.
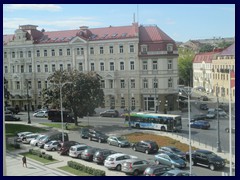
[[170, 159], [135, 166], [118, 141], [52, 145]]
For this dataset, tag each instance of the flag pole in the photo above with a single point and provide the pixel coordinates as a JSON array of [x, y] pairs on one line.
[[230, 125]]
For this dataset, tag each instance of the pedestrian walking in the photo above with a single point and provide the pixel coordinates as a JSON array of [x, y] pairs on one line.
[[24, 161]]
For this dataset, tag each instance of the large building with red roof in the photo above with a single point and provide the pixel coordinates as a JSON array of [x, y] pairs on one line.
[[144, 56]]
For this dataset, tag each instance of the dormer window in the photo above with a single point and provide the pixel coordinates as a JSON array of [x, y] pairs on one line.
[[169, 47], [144, 49]]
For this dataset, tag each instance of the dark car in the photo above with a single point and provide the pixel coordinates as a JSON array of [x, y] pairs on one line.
[[100, 155], [156, 170], [203, 106], [173, 150], [146, 146], [200, 124], [198, 117], [109, 113], [97, 136], [11, 117], [13, 110], [207, 158], [64, 149], [84, 132], [87, 154], [204, 98]]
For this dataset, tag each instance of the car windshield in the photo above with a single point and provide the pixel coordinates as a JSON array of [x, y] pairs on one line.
[[175, 150], [211, 155], [110, 159], [121, 138], [173, 157]]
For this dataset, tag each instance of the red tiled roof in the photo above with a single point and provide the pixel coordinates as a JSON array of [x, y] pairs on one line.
[[206, 57]]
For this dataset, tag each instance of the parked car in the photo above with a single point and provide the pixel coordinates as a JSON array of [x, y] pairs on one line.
[[146, 146], [156, 170], [115, 161], [11, 117], [118, 141], [101, 154], [211, 115], [76, 150], [177, 172], [227, 130], [41, 114], [203, 106], [84, 132], [206, 158], [135, 166], [14, 110], [26, 139], [64, 149], [97, 136], [55, 135], [204, 98], [8, 111], [173, 150], [198, 117], [20, 135], [200, 124], [220, 112], [170, 159], [88, 153], [109, 113], [52, 145], [34, 142]]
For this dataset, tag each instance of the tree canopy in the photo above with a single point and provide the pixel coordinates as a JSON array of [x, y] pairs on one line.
[[81, 93]]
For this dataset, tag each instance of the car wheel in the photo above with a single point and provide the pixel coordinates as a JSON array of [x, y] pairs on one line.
[[146, 151], [157, 162], [119, 145], [99, 140], [212, 167], [109, 142], [53, 149], [134, 148], [119, 167], [90, 138], [163, 128], [135, 173]]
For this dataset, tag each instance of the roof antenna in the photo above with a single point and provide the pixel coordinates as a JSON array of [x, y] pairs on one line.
[[133, 17], [137, 13]]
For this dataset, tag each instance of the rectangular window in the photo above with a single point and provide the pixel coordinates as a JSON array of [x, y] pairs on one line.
[[111, 66], [80, 66], [45, 83], [60, 52], [132, 65], [121, 49], [110, 84], [101, 50], [170, 83], [145, 83], [6, 69], [39, 85], [122, 103], [131, 48], [155, 65], [18, 85], [145, 65], [53, 52], [21, 54], [53, 67], [38, 68], [121, 66], [111, 49], [61, 67], [155, 83], [91, 50], [68, 52], [92, 66], [13, 54], [132, 83], [30, 68], [69, 67], [122, 83], [5, 54], [46, 68], [29, 54], [45, 52], [144, 50], [82, 51], [78, 51], [102, 84], [101, 66], [22, 69], [169, 64], [29, 84], [38, 53], [13, 69]]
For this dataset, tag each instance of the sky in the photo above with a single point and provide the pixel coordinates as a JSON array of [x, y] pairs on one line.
[[182, 22]]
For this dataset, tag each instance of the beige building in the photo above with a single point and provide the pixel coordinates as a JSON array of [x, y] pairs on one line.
[[224, 62], [138, 64]]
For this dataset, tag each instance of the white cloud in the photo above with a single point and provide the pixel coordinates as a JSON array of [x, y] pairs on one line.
[[35, 7]]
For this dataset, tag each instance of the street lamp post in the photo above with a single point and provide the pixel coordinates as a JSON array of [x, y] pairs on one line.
[[29, 120], [155, 94], [129, 122], [166, 105], [218, 125], [189, 130]]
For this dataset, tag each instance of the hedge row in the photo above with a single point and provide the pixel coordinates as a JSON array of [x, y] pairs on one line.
[[40, 154], [89, 170]]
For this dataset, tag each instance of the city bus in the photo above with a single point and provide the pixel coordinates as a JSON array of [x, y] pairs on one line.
[[162, 122]]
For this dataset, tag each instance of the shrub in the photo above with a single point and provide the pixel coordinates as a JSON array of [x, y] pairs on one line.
[[40, 154]]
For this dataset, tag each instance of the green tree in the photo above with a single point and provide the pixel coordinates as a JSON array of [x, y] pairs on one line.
[[6, 92], [206, 48], [185, 59], [224, 44], [81, 96]]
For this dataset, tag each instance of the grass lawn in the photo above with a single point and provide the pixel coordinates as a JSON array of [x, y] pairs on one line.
[[74, 171], [13, 129], [71, 126], [42, 160]]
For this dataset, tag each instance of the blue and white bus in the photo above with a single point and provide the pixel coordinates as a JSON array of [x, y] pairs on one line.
[[163, 122]]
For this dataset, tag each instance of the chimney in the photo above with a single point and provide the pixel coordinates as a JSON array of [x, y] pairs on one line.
[[83, 27]]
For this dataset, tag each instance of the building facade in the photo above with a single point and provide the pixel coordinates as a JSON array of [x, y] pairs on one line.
[[138, 64]]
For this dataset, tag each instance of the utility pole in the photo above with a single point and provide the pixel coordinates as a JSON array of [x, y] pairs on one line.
[[155, 93], [29, 120], [129, 122], [218, 127]]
